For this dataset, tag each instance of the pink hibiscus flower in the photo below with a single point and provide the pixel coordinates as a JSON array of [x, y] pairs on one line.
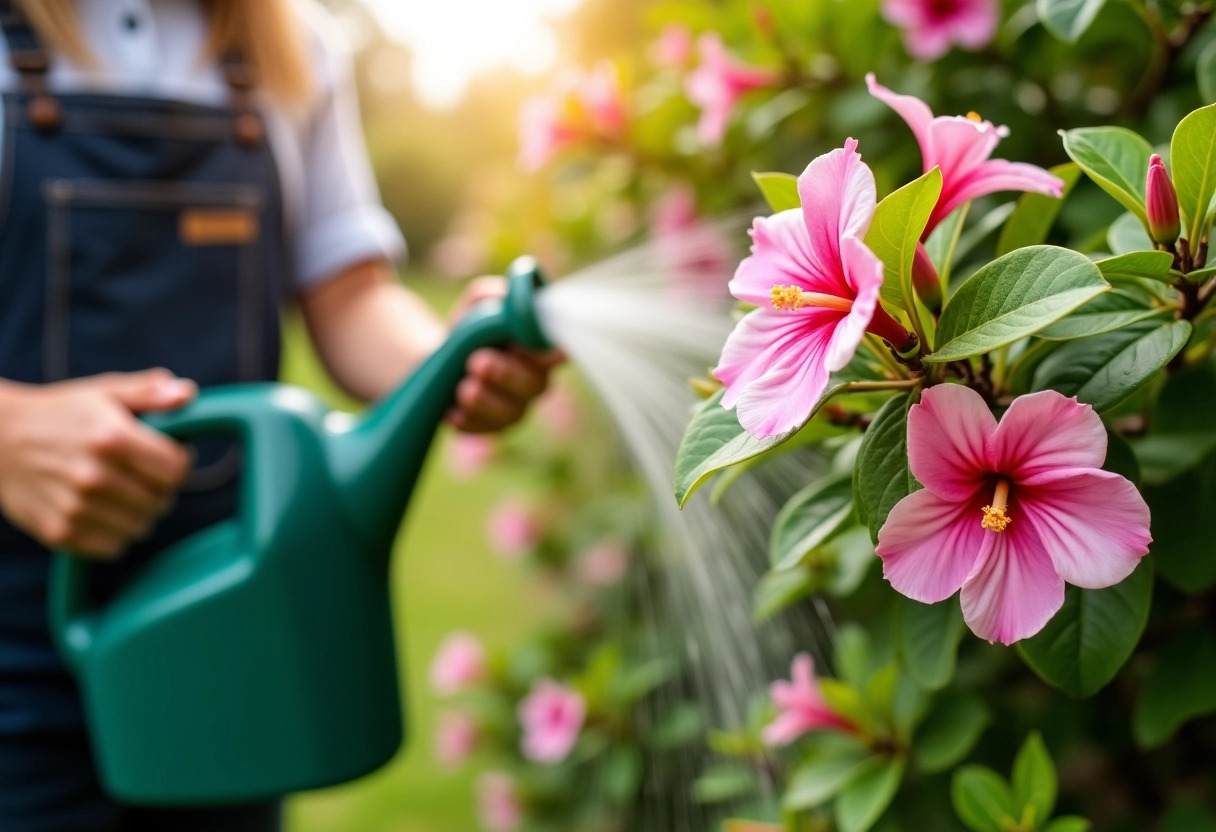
[[512, 529], [691, 250], [673, 46], [930, 27], [551, 716], [816, 285], [580, 107], [801, 707], [1010, 511], [717, 84], [498, 802], [459, 662], [961, 147], [604, 564], [455, 739]]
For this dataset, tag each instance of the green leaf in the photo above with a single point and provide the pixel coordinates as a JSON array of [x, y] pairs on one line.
[[881, 477], [1068, 19], [833, 763], [853, 655], [949, 733], [1034, 778], [1193, 165], [943, 243], [724, 782], [621, 774], [1126, 234], [864, 800], [896, 228], [1106, 369], [1073, 823], [1205, 72], [982, 799], [928, 637], [1013, 297], [780, 190], [1178, 690], [778, 590], [1105, 313], [1093, 634], [1116, 159], [1153, 265], [679, 725], [715, 440], [811, 517], [1032, 219]]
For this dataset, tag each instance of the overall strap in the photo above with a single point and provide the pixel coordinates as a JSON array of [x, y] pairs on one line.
[[242, 79], [31, 63]]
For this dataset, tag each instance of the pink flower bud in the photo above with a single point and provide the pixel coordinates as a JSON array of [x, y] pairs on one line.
[[925, 280], [1161, 203]]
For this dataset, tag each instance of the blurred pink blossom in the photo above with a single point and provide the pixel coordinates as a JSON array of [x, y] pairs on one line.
[[699, 259], [459, 662], [551, 716], [581, 106], [604, 564], [673, 46], [455, 738], [801, 707], [930, 27], [717, 84], [558, 412], [498, 802], [469, 453], [512, 529]]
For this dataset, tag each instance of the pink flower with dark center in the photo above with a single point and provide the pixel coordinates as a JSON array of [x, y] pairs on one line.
[[581, 107], [816, 285], [455, 739], [459, 662], [962, 146], [551, 717], [691, 250], [673, 46], [469, 453], [498, 802], [717, 84], [604, 564], [1010, 511], [801, 707], [930, 27], [512, 529]]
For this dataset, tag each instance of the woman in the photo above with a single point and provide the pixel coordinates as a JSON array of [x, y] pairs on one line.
[[172, 172]]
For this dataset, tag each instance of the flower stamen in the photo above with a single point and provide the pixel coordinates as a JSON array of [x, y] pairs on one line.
[[976, 117], [995, 518], [789, 298]]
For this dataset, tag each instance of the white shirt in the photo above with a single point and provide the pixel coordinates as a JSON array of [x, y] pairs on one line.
[[152, 47]]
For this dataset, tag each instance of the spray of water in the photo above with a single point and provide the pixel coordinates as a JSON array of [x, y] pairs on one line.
[[639, 326]]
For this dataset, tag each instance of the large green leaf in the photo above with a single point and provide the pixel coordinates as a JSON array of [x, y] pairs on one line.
[[1153, 265], [928, 637], [881, 477], [1034, 778], [1179, 689], [1031, 220], [862, 803], [1105, 313], [897, 225], [1093, 634], [1205, 72], [780, 190], [949, 733], [832, 763], [1013, 297], [809, 519], [1105, 370], [1074, 823], [1068, 19], [1193, 163], [1116, 159], [1126, 235], [982, 799]]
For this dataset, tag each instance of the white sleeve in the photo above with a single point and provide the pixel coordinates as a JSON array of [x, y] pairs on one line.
[[340, 221]]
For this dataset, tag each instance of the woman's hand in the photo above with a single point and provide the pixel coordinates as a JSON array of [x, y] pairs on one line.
[[78, 470], [500, 384]]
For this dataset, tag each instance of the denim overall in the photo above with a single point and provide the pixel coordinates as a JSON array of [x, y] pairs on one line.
[[134, 233]]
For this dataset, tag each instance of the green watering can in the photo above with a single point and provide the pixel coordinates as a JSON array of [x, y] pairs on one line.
[[255, 658]]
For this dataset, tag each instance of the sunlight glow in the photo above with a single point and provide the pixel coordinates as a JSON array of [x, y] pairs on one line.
[[454, 40]]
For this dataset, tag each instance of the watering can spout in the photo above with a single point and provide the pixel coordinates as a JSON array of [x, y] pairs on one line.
[[376, 460]]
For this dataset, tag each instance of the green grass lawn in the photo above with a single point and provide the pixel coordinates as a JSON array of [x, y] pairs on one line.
[[444, 578]]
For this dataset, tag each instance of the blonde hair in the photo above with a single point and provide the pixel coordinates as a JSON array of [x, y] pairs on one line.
[[265, 31]]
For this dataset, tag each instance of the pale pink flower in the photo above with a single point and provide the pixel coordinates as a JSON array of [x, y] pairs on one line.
[[512, 529], [469, 453], [801, 707], [673, 46], [459, 662], [717, 84], [930, 27], [455, 739], [816, 285], [604, 564], [498, 802], [551, 717], [558, 412], [961, 147], [581, 107], [692, 250], [1009, 511]]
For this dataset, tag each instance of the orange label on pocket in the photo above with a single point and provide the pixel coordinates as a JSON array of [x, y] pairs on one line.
[[217, 227]]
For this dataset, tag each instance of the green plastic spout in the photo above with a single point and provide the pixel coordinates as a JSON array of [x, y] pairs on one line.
[[375, 461]]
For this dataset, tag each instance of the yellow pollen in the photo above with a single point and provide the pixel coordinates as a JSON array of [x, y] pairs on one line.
[[786, 297], [974, 116], [995, 518], [789, 298]]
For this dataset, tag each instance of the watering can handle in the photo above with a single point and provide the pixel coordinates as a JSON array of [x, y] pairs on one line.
[[222, 411]]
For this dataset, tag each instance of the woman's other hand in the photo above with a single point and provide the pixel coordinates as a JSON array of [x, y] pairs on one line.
[[78, 470]]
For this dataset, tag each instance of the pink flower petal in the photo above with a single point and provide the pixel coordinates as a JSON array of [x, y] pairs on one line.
[[838, 198], [975, 23], [948, 435], [1094, 525], [1044, 432], [782, 256], [910, 108], [930, 544], [757, 343], [994, 176], [863, 273], [1014, 589]]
